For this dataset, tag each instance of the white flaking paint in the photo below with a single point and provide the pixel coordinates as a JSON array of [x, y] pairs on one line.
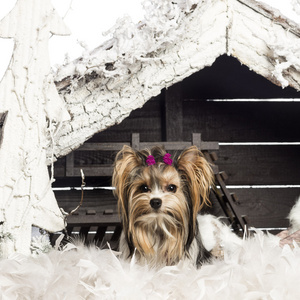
[[34, 112], [173, 42], [178, 40], [105, 85]]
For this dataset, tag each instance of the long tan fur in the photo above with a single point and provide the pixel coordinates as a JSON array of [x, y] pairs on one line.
[[125, 163], [198, 175], [160, 236]]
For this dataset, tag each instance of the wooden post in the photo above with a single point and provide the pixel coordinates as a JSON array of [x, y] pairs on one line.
[[135, 141], [173, 113], [70, 164]]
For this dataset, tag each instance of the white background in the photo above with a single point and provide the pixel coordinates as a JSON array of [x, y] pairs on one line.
[[86, 19]]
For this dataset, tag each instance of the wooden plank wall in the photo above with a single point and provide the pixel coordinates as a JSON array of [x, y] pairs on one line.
[[258, 174], [256, 166]]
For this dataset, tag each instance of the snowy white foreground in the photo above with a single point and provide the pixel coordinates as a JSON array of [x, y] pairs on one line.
[[258, 269]]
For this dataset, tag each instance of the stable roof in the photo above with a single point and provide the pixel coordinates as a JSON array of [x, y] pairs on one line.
[[173, 42]]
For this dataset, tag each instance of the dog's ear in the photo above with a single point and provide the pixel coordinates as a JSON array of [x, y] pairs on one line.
[[126, 161], [197, 175]]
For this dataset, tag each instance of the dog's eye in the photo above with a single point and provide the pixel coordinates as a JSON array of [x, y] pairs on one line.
[[144, 188], [172, 188]]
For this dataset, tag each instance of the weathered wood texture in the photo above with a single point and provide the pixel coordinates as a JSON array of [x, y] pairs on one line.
[[247, 20], [96, 221], [243, 121], [263, 165], [245, 165], [266, 208], [152, 59], [227, 78], [173, 113], [148, 120], [226, 122], [99, 200], [130, 70]]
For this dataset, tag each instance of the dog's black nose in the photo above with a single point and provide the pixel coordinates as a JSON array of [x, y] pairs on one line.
[[155, 203]]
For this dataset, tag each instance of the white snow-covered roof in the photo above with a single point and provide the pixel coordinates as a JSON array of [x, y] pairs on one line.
[[289, 9], [174, 41]]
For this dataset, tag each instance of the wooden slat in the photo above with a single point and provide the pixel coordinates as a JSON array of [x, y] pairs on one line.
[[95, 162], [227, 78], [117, 233], [83, 233], [203, 145], [148, 121], [242, 121], [102, 146], [69, 230], [70, 165], [100, 234], [179, 146], [267, 207], [244, 165], [94, 171], [135, 141], [232, 210], [262, 165], [264, 207], [98, 200], [93, 220], [60, 167], [173, 113], [88, 158], [221, 121]]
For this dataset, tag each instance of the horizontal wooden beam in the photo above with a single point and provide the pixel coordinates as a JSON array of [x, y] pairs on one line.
[[94, 171], [102, 146], [205, 146], [260, 165], [242, 121], [179, 146], [93, 220]]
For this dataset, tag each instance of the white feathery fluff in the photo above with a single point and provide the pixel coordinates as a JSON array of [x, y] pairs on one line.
[[294, 217], [216, 235], [255, 268]]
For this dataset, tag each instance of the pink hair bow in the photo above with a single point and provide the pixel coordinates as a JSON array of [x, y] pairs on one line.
[[150, 160], [167, 159]]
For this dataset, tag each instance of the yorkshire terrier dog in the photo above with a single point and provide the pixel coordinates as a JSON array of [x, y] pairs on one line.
[[159, 200]]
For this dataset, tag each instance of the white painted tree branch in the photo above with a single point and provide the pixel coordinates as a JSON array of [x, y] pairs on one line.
[[34, 111]]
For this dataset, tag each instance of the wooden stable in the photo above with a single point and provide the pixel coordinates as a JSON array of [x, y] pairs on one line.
[[164, 80], [101, 217], [166, 83], [264, 177]]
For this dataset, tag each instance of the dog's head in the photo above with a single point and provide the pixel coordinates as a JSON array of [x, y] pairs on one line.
[[159, 198]]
